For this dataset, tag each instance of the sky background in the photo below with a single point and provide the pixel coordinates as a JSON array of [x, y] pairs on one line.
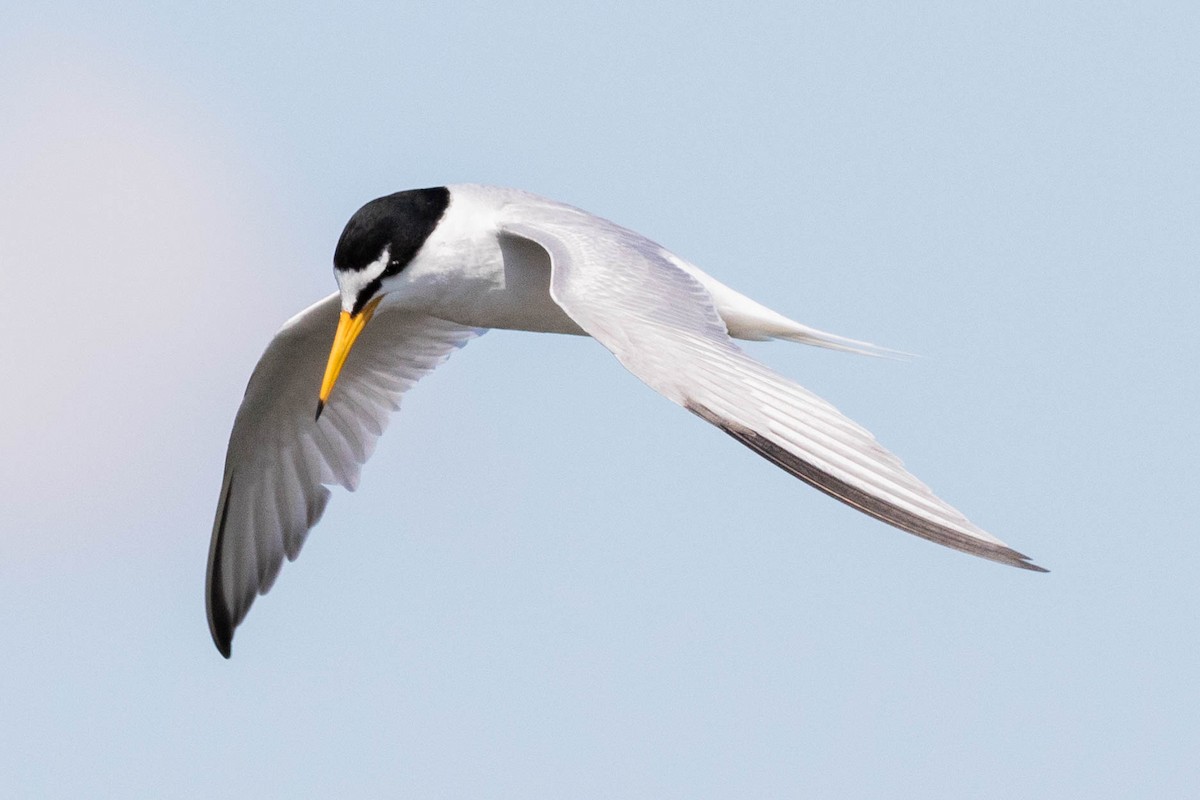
[[552, 582]]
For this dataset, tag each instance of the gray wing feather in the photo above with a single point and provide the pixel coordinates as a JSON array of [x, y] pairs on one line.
[[660, 322], [280, 460]]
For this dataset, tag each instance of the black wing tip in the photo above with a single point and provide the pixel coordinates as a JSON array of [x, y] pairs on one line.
[[1005, 555], [220, 624], [220, 621], [1002, 554], [856, 498], [224, 642]]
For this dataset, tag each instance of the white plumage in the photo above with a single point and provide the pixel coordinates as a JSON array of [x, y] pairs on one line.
[[483, 257]]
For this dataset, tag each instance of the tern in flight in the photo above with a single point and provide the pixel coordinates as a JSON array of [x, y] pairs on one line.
[[421, 272]]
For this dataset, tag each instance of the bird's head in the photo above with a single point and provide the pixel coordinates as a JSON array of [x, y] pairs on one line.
[[378, 242]]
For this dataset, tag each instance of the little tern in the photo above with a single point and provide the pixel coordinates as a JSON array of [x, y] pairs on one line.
[[422, 272]]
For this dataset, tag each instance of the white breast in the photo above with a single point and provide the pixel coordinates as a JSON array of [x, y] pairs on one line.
[[467, 273]]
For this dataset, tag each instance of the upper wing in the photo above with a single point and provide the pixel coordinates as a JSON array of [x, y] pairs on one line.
[[660, 322], [279, 457]]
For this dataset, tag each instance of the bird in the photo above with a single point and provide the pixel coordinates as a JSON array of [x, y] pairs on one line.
[[422, 272]]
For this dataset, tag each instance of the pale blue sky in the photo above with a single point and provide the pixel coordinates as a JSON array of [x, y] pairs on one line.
[[552, 582]]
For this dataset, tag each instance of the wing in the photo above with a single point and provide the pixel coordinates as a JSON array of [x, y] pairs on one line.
[[661, 323], [280, 460]]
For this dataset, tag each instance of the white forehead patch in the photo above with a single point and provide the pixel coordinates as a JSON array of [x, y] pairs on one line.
[[352, 282]]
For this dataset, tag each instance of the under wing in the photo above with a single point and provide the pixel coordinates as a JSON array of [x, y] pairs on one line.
[[280, 459]]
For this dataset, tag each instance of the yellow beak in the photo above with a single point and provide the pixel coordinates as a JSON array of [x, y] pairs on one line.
[[348, 329]]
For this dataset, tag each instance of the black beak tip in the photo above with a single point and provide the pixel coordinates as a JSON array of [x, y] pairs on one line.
[[320, 408]]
